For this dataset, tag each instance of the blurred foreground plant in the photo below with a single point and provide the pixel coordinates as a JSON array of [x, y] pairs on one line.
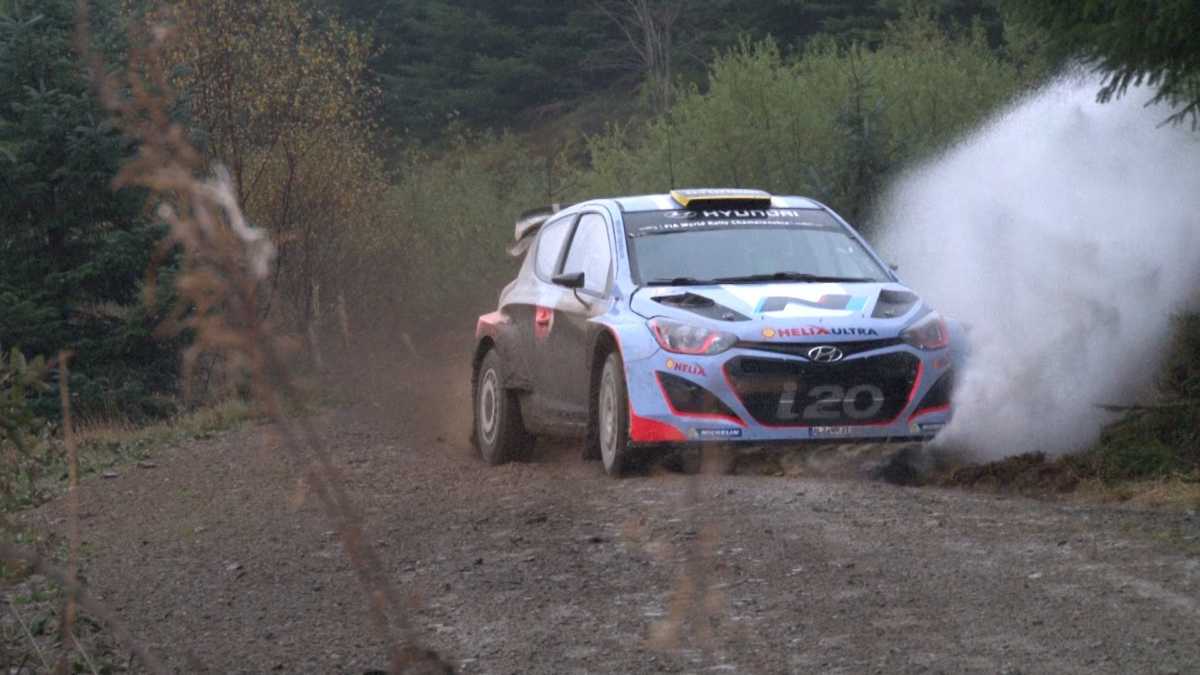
[[225, 265], [25, 454]]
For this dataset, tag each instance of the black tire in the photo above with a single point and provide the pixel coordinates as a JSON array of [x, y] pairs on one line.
[[499, 431], [612, 416], [591, 439]]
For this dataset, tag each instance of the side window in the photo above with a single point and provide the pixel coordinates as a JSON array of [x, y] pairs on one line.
[[550, 243], [590, 253]]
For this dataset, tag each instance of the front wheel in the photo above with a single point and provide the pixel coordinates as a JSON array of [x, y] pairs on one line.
[[499, 431], [612, 416]]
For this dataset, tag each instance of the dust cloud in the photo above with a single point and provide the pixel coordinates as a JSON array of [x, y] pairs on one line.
[[1064, 233]]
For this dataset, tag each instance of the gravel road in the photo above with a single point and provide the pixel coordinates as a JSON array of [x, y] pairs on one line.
[[217, 557]]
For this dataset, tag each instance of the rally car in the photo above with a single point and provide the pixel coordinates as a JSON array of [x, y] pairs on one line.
[[728, 316]]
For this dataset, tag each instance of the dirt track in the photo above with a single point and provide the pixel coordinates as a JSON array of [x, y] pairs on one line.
[[550, 567]]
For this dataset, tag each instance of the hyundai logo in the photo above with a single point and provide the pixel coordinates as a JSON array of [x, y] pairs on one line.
[[825, 354]]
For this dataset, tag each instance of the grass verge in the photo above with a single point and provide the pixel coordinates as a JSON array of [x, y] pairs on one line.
[[1150, 457], [108, 444], [1076, 477], [104, 446]]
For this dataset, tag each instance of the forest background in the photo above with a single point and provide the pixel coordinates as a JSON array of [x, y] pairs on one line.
[[388, 145]]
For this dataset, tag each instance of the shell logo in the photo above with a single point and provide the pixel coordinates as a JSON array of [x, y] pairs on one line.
[[670, 364], [768, 332]]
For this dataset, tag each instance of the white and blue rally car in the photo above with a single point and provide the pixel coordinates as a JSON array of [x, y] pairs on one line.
[[729, 316]]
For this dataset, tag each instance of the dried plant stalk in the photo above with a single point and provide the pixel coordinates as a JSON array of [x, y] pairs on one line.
[[695, 604], [69, 606], [36, 564], [224, 264]]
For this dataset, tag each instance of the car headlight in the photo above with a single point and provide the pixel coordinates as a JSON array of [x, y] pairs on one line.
[[682, 338], [928, 333]]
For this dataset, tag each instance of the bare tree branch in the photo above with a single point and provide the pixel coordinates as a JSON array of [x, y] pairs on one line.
[[649, 28]]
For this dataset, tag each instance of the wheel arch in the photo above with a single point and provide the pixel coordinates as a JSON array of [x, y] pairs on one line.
[[604, 342], [484, 345], [496, 332], [629, 339]]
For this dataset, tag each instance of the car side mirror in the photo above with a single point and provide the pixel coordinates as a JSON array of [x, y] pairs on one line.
[[573, 280]]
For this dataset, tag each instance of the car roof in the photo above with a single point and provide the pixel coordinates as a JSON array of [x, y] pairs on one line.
[[665, 202]]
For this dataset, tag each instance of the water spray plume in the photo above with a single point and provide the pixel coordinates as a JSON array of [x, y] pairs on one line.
[[1064, 233]]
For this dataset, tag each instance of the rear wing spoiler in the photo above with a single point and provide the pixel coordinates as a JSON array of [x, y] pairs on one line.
[[528, 225]]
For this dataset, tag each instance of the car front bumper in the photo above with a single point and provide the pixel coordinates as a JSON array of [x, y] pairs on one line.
[[896, 393]]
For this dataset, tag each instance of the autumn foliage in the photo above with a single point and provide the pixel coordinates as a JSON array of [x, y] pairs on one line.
[[277, 94]]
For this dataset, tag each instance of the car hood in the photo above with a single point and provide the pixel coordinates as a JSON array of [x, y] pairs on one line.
[[788, 311]]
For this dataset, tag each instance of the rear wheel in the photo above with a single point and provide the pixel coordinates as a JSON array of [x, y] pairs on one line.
[[499, 431], [612, 416]]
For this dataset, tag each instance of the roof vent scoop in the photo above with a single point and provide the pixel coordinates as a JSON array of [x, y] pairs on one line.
[[527, 225], [722, 198], [702, 305]]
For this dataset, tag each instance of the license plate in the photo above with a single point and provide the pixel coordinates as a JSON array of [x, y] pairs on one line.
[[831, 432]]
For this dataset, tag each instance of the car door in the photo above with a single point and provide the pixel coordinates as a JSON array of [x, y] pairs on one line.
[[530, 308], [562, 373]]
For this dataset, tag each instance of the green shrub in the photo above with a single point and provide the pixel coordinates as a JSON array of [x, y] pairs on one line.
[[832, 124], [1162, 439], [1181, 373], [24, 451], [438, 246]]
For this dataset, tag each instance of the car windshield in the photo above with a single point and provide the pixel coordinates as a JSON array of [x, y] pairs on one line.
[[745, 246]]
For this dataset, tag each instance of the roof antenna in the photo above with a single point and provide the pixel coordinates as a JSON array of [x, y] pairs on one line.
[[671, 149]]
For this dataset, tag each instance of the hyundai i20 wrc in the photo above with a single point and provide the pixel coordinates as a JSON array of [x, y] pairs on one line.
[[704, 316]]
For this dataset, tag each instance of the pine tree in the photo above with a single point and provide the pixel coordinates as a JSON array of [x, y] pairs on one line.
[[73, 253], [1131, 41]]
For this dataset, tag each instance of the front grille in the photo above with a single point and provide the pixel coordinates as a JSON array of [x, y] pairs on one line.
[[801, 348], [797, 393]]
